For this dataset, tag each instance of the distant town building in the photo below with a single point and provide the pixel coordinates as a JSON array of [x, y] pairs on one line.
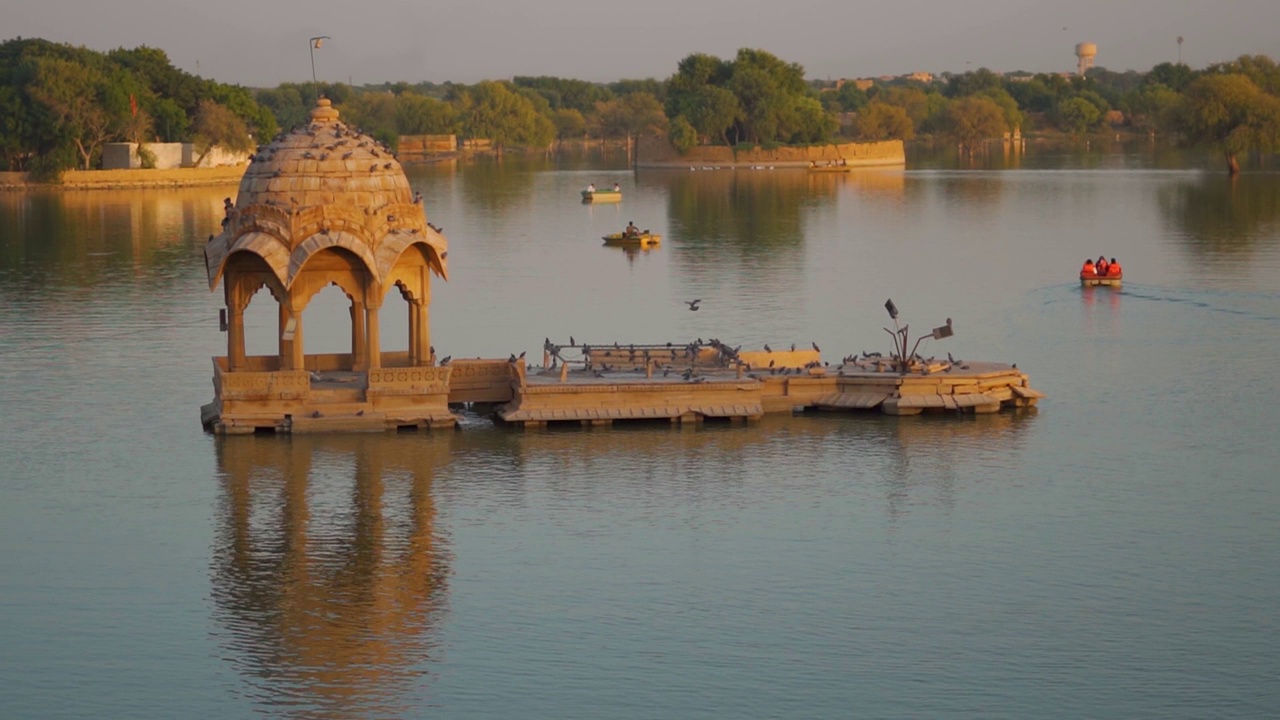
[[923, 77]]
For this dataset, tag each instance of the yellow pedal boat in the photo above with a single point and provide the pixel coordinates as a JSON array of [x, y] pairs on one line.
[[642, 240]]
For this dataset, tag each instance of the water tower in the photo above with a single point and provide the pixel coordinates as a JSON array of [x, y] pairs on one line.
[[1085, 53]]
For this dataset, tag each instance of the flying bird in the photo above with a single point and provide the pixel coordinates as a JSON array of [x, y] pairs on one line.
[[693, 304]]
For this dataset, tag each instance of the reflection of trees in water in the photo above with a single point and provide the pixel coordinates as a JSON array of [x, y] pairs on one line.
[[326, 572], [977, 191], [1097, 152], [744, 211], [1220, 214], [499, 185], [75, 236]]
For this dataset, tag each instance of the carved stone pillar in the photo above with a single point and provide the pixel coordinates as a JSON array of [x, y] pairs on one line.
[[282, 344], [297, 361], [359, 349], [415, 351], [375, 340], [422, 324], [235, 338]]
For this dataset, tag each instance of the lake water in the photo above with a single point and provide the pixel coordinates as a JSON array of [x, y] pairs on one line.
[[1112, 554]]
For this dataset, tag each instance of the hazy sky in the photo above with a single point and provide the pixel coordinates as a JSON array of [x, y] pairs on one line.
[[264, 42]]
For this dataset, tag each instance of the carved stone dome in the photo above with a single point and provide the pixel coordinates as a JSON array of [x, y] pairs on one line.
[[324, 163], [322, 187]]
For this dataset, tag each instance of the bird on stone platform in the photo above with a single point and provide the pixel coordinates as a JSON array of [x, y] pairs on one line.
[[571, 342], [815, 347], [693, 304], [446, 360], [373, 167], [951, 360], [767, 348], [512, 359], [793, 347]]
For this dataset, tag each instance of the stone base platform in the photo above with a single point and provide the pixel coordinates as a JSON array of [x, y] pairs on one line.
[[607, 385], [601, 397]]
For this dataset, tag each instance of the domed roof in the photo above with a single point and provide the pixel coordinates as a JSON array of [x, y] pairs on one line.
[[324, 163], [323, 186]]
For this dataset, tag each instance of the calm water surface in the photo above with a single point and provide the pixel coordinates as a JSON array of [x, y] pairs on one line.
[[1113, 554]]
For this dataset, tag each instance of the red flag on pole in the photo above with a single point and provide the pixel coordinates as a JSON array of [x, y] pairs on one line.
[[133, 105]]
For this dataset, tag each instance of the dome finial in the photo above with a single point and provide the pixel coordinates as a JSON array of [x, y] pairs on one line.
[[324, 111]]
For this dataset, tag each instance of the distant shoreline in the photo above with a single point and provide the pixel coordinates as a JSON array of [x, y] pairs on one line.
[[126, 179], [658, 153]]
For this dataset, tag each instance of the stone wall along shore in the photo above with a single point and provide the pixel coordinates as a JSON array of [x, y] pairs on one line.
[[654, 152], [122, 179]]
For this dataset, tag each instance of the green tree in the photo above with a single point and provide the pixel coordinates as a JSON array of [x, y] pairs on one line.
[[1077, 115], [72, 94], [491, 110], [972, 83], [712, 111], [1151, 107], [1231, 112], [420, 115], [569, 122], [1013, 117], [630, 116], [682, 135], [970, 120], [767, 89], [850, 97], [653, 87], [882, 121], [812, 122], [697, 93], [1260, 69], [1173, 76], [564, 93], [217, 126], [376, 113], [911, 99]]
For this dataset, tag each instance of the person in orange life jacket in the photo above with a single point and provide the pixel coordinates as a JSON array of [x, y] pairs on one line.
[[1087, 270], [1113, 268]]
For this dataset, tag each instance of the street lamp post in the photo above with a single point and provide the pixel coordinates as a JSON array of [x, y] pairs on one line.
[[1179, 49], [314, 44]]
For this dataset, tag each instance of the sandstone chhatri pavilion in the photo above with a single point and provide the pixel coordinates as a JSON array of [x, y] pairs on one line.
[[325, 204]]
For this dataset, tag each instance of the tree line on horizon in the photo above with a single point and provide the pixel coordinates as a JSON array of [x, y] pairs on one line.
[[59, 104]]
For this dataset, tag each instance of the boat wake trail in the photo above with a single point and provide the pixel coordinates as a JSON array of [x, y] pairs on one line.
[[1263, 307]]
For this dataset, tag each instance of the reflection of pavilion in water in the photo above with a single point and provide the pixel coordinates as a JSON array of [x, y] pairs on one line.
[[905, 461], [931, 454], [327, 575]]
